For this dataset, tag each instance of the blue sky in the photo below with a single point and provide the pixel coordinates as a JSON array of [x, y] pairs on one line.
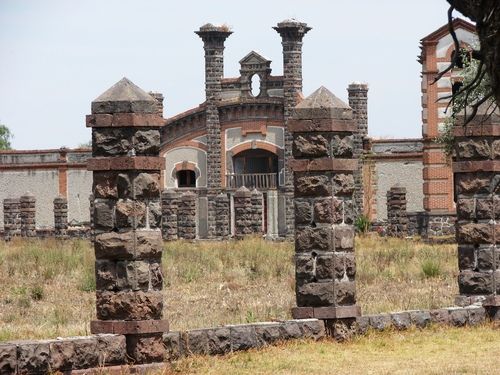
[[57, 56]]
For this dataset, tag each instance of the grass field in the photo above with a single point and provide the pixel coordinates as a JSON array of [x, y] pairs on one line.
[[434, 351], [47, 286]]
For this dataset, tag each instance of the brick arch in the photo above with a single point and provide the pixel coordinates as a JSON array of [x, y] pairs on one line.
[[186, 166], [450, 50], [255, 145]]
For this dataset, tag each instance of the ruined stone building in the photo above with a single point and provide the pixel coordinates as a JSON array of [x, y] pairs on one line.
[[239, 137]]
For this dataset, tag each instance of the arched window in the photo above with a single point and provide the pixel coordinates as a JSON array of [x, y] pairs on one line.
[[186, 178]]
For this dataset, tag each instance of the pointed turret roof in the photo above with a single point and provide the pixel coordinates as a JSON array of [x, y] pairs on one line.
[[124, 96], [322, 103]]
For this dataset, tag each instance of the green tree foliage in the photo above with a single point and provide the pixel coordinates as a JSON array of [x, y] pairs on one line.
[[462, 101], [5, 137]]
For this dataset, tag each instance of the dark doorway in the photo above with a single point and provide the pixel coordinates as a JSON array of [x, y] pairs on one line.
[[186, 178]]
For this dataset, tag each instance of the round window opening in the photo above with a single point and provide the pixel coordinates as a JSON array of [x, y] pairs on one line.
[[255, 85]]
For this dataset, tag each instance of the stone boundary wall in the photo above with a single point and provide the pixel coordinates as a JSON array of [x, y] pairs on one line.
[[41, 356]]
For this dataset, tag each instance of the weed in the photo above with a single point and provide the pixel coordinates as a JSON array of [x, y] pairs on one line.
[[431, 268], [36, 293]]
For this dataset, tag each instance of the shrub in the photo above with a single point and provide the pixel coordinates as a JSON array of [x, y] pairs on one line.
[[431, 268], [362, 224]]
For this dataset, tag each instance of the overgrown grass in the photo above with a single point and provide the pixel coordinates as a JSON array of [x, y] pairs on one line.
[[438, 350], [47, 286]]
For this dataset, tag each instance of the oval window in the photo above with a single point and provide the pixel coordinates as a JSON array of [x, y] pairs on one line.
[[255, 85]]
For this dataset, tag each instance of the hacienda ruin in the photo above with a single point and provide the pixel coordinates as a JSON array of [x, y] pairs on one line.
[[257, 157]]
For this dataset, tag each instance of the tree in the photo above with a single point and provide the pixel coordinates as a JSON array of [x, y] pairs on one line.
[[5, 137], [486, 14]]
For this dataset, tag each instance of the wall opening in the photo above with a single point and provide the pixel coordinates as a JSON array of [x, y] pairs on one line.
[[186, 178], [255, 85]]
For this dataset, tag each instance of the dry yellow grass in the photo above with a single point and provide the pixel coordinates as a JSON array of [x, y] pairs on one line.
[[438, 350], [47, 289]]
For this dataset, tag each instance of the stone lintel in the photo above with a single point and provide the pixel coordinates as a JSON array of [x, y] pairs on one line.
[[330, 312], [124, 120], [124, 327], [322, 125], [145, 163], [476, 166], [323, 164]]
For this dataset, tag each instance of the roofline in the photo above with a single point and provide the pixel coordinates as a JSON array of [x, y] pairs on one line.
[[443, 30]]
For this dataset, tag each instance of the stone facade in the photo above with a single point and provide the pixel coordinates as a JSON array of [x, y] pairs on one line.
[[292, 32], [243, 213], [186, 216], [127, 219], [11, 218], [323, 165], [257, 206], [169, 210], [397, 218], [222, 210], [28, 209], [60, 216], [476, 169], [358, 101]]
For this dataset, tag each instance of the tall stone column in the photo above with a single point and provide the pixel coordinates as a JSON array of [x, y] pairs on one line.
[[324, 186], [397, 219], [11, 218], [60, 216], [213, 43], [28, 211], [169, 207], [257, 203], [292, 32], [222, 216], [128, 245], [243, 213], [358, 101], [186, 216], [476, 168]]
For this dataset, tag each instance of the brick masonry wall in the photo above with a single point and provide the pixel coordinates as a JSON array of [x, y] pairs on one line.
[[397, 220], [60, 217], [222, 211], [28, 210], [186, 216], [243, 213], [11, 218], [257, 207], [169, 209]]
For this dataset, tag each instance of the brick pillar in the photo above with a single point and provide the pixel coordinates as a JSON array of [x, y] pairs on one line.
[[213, 38], [60, 216], [128, 245], [28, 210], [186, 216], [292, 32], [324, 186], [476, 166], [169, 208], [222, 219], [243, 213], [397, 219], [11, 218], [358, 101], [257, 203]]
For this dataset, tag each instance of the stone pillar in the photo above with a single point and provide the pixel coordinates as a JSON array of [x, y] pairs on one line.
[[222, 216], [127, 219], [28, 210], [169, 209], [213, 43], [476, 168], [257, 203], [159, 102], [358, 101], [91, 222], [397, 219], [272, 215], [11, 218], [292, 32], [60, 216], [324, 186], [243, 213], [186, 216]]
